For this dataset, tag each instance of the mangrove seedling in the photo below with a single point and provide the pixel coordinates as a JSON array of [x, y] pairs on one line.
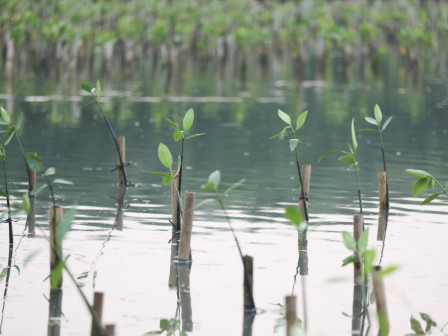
[[425, 179], [350, 158], [293, 146], [96, 94], [180, 134]]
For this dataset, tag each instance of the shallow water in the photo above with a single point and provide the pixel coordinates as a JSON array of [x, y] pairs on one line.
[[131, 265]]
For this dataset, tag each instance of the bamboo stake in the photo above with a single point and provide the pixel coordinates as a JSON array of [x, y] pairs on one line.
[[175, 215], [380, 298], [54, 325], [358, 228], [249, 304], [121, 169], [98, 300], [185, 234], [305, 190], [185, 297], [32, 181], [110, 329], [290, 312], [31, 218], [55, 214], [382, 224], [383, 188]]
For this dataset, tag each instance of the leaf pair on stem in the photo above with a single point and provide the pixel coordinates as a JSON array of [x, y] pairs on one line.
[[425, 179]]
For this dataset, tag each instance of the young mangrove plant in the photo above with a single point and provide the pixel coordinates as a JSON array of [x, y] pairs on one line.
[[349, 157], [180, 134], [425, 179], [380, 129], [293, 146], [59, 233], [96, 94]]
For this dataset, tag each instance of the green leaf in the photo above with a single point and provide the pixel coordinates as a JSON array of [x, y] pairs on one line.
[[194, 136], [431, 183], [285, 117], [209, 186], [179, 164], [167, 179], [215, 178], [62, 181], [301, 120], [355, 143], [388, 270], [362, 241], [38, 189], [293, 144], [34, 162], [177, 135], [3, 273], [371, 121], [235, 185], [26, 203], [378, 114], [50, 171], [429, 322], [369, 258], [9, 135], [165, 156], [56, 275], [86, 87], [328, 153], [349, 241], [418, 173], [19, 120], [66, 223], [98, 88], [293, 214], [386, 123], [368, 130], [5, 115], [416, 326], [419, 186], [350, 259], [429, 199], [188, 119], [348, 158], [155, 173]]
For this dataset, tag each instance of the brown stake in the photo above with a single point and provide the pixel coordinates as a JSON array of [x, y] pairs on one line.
[[290, 312], [110, 329], [175, 216], [382, 224], [248, 262], [306, 176], [32, 181], [31, 218], [185, 234], [121, 169], [382, 187], [98, 299], [380, 298], [55, 214], [185, 297], [358, 228]]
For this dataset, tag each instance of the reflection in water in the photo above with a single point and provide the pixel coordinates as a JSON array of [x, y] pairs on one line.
[[55, 312], [173, 277], [8, 273], [248, 321], [118, 224], [302, 269], [382, 228], [184, 297]]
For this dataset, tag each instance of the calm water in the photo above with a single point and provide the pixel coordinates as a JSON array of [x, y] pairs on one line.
[[131, 265]]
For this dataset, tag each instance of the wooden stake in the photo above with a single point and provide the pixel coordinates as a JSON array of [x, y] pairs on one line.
[[290, 312], [173, 277], [185, 234], [120, 209], [31, 217], [358, 228], [382, 224], [380, 298], [98, 299], [185, 297], [54, 325], [121, 170], [249, 304], [110, 329], [383, 190], [32, 182], [175, 216], [55, 214], [306, 176]]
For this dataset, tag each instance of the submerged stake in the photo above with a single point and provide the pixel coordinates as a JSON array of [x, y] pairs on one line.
[[98, 299]]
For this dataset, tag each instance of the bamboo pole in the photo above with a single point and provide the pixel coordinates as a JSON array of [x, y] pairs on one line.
[[305, 190], [175, 216], [120, 209], [358, 228], [98, 300], [249, 304], [32, 181], [382, 224], [121, 169], [110, 329], [31, 218], [55, 214], [383, 190], [55, 312], [185, 234], [290, 312], [380, 298]]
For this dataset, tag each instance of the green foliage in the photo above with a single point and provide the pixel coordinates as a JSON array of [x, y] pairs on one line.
[[166, 159], [293, 214], [213, 181], [425, 179], [416, 325], [168, 327]]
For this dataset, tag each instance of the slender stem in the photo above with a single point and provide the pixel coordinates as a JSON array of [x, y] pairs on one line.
[[301, 197], [8, 204], [179, 205], [359, 187], [114, 137], [440, 186], [382, 150]]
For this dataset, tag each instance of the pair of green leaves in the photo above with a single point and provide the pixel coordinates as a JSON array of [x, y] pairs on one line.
[[348, 157], [96, 91], [13, 127], [170, 326], [166, 159], [187, 123], [290, 129], [214, 179], [416, 326], [377, 121], [424, 179]]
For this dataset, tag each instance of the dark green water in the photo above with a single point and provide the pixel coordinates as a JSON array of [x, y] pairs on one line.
[[132, 265]]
